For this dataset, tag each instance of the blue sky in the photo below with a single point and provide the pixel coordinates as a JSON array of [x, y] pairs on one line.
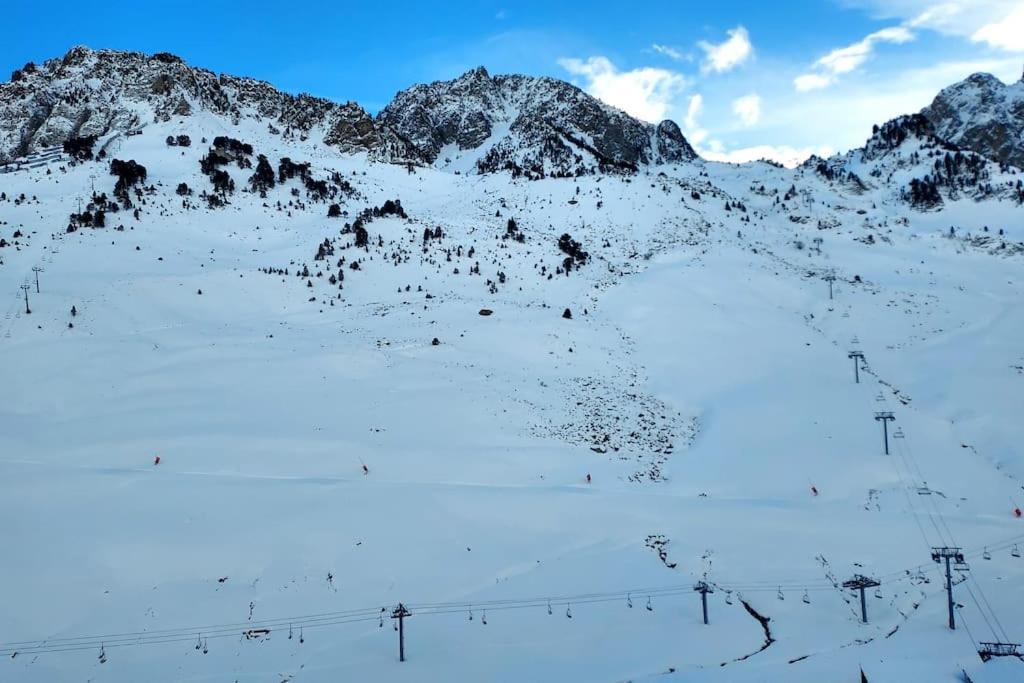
[[743, 79]]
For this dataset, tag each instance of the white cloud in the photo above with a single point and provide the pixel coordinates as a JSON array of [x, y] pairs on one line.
[[669, 52], [691, 127], [783, 154], [713, 149], [1006, 34], [748, 109], [721, 57], [646, 93], [997, 23], [807, 82], [843, 60]]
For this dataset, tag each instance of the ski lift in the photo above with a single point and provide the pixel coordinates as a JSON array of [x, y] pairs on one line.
[[986, 555], [880, 398], [205, 649], [878, 593], [649, 608], [924, 490], [301, 639], [961, 566], [806, 598], [103, 655], [898, 434], [549, 607], [290, 628], [199, 641], [629, 601], [483, 619], [568, 611], [780, 595], [1016, 551], [728, 597], [471, 614]]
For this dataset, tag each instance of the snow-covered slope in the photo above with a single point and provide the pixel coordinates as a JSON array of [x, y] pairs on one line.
[[528, 410], [907, 161]]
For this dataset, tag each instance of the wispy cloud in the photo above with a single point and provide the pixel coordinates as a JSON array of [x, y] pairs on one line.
[[669, 52], [646, 93], [691, 126], [1005, 34], [747, 109], [783, 154], [999, 24], [843, 60], [727, 55]]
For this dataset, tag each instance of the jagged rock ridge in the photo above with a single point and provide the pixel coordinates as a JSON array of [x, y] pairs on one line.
[[98, 92], [526, 124], [538, 126], [982, 114]]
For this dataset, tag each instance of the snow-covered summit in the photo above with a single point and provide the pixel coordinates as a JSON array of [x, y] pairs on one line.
[[909, 160], [103, 92], [536, 126], [982, 114]]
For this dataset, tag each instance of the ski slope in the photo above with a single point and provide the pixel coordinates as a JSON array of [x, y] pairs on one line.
[[702, 384]]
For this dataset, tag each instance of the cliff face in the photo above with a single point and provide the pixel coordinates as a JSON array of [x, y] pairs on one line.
[[984, 115], [96, 92], [539, 125]]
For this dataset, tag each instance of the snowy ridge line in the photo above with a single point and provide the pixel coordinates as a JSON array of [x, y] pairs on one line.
[[369, 614]]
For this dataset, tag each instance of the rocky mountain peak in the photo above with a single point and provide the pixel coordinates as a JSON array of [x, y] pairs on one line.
[[982, 114], [530, 125], [534, 126]]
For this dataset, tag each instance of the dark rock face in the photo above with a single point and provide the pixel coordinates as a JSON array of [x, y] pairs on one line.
[[90, 92], [984, 115], [533, 126], [538, 126]]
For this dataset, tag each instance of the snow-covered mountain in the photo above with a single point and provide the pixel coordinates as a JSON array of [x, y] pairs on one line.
[[505, 356], [528, 125], [982, 114], [910, 162], [537, 126], [105, 92]]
